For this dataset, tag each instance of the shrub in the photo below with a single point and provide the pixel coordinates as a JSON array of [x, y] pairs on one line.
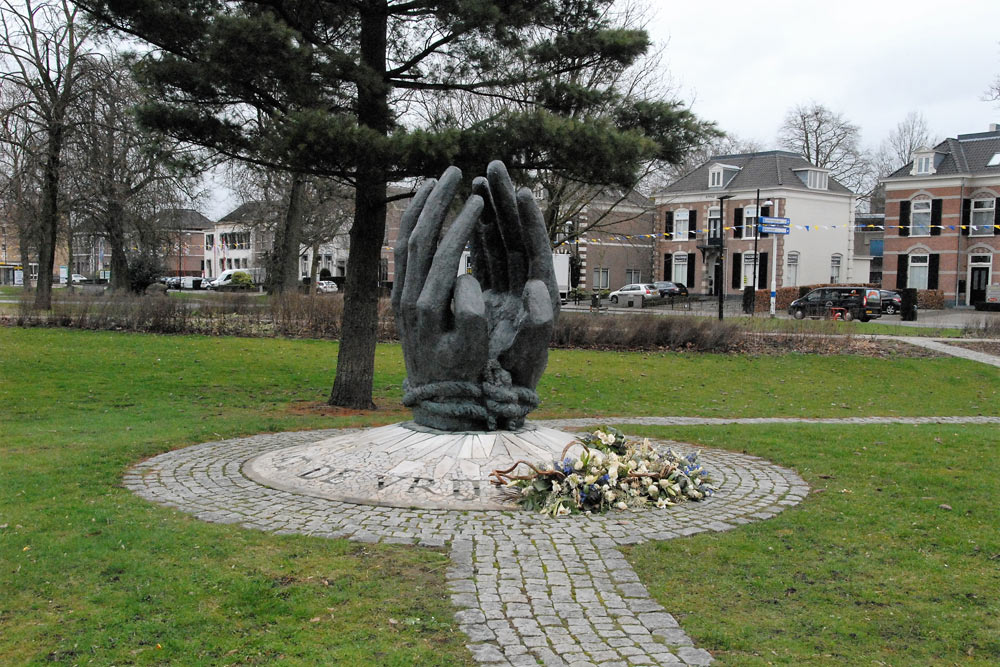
[[241, 280], [930, 299]]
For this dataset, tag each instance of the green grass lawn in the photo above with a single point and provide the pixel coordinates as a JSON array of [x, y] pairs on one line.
[[89, 572]]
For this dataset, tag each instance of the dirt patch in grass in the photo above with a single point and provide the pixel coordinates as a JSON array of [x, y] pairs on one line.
[[989, 347], [832, 345], [387, 413]]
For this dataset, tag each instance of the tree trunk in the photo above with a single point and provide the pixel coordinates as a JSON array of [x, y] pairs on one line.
[[69, 260], [352, 387], [314, 268], [25, 266], [114, 230], [49, 219], [285, 261]]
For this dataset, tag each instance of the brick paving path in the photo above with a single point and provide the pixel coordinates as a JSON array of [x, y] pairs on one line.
[[530, 590]]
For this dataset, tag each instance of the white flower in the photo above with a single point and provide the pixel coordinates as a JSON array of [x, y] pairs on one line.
[[562, 510], [526, 491], [597, 459], [653, 490], [556, 487], [621, 506], [578, 464], [590, 479], [613, 471], [609, 496]]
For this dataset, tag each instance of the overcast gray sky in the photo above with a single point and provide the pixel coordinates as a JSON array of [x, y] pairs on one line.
[[744, 64]]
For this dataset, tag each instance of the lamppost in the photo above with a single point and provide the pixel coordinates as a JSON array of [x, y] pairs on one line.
[[721, 286], [756, 235]]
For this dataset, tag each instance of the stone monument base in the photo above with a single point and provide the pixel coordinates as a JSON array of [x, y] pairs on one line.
[[408, 465]]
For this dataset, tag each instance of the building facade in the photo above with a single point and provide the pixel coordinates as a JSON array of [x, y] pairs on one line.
[[707, 226], [941, 227]]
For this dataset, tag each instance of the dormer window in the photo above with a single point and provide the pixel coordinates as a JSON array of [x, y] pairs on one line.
[[715, 177], [924, 162], [814, 179], [994, 161]]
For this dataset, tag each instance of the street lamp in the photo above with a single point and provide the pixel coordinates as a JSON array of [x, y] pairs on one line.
[[756, 235], [721, 286]]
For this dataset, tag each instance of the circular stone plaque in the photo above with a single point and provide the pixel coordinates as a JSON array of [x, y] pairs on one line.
[[408, 465]]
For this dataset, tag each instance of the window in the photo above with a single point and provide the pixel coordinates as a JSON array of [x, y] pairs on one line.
[[918, 271], [633, 275], [817, 180], [749, 222], [714, 223], [383, 270], [920, 218], [835, 268], [209, 241], [923, 164], [749, 263], [994, 161], [680, 267], [715, 178], [792, 275], [602, 278], [681, 225], [982, 217]]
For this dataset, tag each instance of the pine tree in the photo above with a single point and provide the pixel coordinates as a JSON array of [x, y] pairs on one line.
[[344, 89]]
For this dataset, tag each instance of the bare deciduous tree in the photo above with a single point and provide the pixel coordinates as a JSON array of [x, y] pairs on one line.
[[43, 48], [896, 150], [19, 176], [830, 141]]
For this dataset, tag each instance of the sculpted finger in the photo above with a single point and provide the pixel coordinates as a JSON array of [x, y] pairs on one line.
[[470, 325], [433, 304], [539, 248], [423, 239], [406, 225], [510, 224], [494, 262], [527, 357]]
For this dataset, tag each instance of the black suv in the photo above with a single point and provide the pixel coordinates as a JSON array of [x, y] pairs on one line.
[[849, 301]]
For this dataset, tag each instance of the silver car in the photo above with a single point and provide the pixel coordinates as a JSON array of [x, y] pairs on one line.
[[641, 291]]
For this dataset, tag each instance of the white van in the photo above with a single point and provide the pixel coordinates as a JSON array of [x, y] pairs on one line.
[[225, 279]]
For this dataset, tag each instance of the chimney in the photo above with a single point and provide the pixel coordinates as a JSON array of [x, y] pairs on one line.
[[994, 127]]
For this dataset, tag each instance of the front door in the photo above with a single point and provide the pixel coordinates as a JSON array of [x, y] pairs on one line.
[[979, 279]]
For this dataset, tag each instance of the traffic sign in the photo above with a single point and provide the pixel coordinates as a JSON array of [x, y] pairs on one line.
[[773, 229], [764, 220]]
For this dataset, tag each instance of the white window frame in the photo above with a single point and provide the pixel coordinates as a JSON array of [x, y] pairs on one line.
[[836, 263], [924, 210], [750, 226], [792, 278], [816, 180], [748, 267], [680, 261], [923, 165], [602, 278], [715, 230], [918, 271], [986, 209], [681, 231], [715, 177]]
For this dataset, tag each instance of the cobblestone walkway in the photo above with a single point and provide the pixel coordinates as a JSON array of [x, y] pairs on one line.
[[529, 590]]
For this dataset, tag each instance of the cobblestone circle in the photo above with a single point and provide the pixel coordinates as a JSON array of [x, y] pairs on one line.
[[530, 590]]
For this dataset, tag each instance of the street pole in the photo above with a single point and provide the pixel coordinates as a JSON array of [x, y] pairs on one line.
[[721, 287], [756, 235]]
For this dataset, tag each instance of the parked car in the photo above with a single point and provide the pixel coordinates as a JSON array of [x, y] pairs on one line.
[[669, 288], [892, 302], [78, 279], [326, 287], [641, 290], [856, 301], [224, 281]]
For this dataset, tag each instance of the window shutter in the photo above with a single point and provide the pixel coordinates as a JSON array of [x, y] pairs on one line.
[[996, 215], [765, 211], [966, 216], [934, 261], [668, 224], [668, 266], [737, 224], [762, 271], [693, 224], [904, 218], [903, 263], [690, 275], [737, 269], [935, 217]]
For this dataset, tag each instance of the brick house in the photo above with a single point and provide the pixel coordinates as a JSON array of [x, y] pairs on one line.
[[941, 219], [706, 225]]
